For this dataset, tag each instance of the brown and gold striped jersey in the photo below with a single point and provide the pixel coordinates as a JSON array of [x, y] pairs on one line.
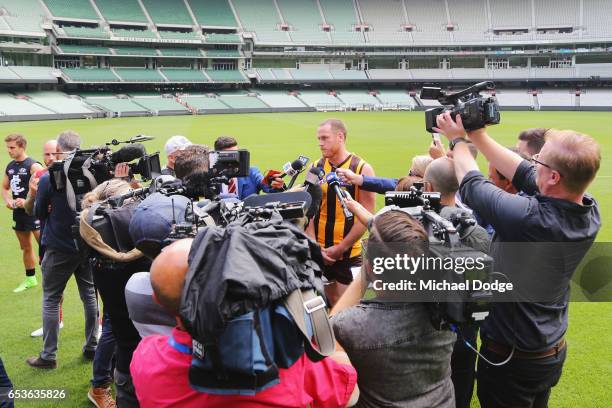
[[331, 226]]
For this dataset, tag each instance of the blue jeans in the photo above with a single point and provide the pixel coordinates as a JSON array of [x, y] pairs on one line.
[[5, 387], [103, 359]]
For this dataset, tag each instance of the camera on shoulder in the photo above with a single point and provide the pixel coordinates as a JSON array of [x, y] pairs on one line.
[[476, 110]]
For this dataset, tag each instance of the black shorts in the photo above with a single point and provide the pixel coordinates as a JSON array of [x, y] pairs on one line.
[[24, 222], [340, 271]]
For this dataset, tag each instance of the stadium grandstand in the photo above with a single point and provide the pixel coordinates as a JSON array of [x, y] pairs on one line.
[[202, 56]]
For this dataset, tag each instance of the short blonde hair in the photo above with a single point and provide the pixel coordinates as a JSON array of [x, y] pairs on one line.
[[20, 140], [104, 191], [419, 164], [336, 126], [575, 156]]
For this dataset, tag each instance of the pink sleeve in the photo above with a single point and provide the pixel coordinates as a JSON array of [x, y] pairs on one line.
[[330, 384]]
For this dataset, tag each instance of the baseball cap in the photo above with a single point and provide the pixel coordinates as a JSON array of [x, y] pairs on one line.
[[152, 221], [176, 143]]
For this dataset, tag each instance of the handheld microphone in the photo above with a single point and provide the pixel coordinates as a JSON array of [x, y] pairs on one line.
[[333, 181], [314, 176], [128, 153]]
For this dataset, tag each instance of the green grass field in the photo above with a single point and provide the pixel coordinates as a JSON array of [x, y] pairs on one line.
[[386, 140]]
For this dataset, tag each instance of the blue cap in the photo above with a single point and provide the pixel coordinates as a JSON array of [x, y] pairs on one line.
[[152, 221]]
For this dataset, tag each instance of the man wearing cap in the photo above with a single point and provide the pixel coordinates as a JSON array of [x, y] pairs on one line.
[[173, 146]]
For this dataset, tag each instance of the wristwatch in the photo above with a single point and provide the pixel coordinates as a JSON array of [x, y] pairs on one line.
[[454, 142]]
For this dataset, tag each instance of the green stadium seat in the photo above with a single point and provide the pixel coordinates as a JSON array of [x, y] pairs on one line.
[[157, 104], [59, 102], [223, 38], [184, 75], [181, 52], [9, 105], [340, 14], [305, 21], [242, 102], [139, 75], [79, 9], [121, 10], [262, 18], [90, 75], [204, 103], [178, 35], [84, 49], [168, 12], [85, 32], [149, 52], [113, 104], [226, 76], [118, 32], [223, 53], [213, 13], [23, 15]]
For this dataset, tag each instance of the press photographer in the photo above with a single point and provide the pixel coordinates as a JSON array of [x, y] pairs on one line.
[[528, 336], [62, 259]]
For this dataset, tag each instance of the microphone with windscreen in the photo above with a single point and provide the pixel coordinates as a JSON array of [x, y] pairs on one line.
[[128, 153]]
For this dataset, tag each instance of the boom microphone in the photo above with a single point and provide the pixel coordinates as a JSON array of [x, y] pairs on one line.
[[128, 153], [333, 181]]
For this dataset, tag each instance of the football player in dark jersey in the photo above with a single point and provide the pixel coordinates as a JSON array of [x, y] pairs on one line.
[[15, 186]]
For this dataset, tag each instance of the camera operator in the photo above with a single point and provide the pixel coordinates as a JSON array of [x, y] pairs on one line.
[[111, 270], [440, 177], [555, 209], [401, 359], [161, 364], [243, 187], [174, 145], [62, 259], [49, 157]]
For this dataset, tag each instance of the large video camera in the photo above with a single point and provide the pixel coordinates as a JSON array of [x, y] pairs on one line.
[[82, 170], [448, 308], [476, 111]]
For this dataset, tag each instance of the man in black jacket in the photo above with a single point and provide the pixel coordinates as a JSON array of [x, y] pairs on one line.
[[554, 211]]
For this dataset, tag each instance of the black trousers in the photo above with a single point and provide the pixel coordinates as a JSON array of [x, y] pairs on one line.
[[5, 388], [110, 282], [463, 367], [520, 383]]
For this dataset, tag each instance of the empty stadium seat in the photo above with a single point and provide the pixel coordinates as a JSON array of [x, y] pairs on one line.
[[242, 102], [386, 19], [114, 104], [305, 21], [117, 32], [90, 75], [342, 17], [139, 75], [59, 102], [84, 49], [222, 53], [151, 52], [358, 99], [262, 18], [226, 76], [319, 99], [178, 35], [181, 52], [280, 99], [213, 13], [159, 104], [23, 15], [204, 103], [121, 10], [184, 75], [222, 38], [168, 12], [85, 32], [77, 9]]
